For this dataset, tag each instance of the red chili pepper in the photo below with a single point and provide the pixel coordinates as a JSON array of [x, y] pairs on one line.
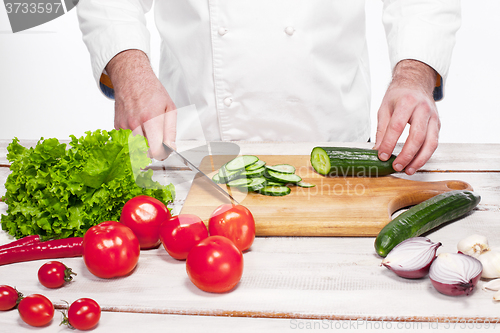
[[21, 242], [57, 248]]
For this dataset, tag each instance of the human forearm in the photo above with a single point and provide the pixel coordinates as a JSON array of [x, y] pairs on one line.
[[413, 73]]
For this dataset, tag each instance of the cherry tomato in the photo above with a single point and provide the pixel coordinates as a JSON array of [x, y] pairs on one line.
[[110, 249], [54, 274], [215, 264], [36, 310], [144, 216], [180, 233], [83, 314], [234, 222], [8, 297]]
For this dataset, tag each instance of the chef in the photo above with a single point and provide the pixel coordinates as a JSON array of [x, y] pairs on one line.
[[273, 70]]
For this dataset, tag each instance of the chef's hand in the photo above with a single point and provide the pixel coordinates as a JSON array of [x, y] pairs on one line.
[[141, 102], [409, 100]]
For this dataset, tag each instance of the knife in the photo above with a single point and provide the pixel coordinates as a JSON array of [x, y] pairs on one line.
[[199, 173]]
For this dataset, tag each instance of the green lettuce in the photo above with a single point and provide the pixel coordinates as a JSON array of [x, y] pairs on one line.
[[59, 192]]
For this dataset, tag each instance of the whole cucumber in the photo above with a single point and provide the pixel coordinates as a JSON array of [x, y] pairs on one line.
[[425, 216]]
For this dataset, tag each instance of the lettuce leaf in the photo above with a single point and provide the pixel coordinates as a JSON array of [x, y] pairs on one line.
[[59, 192]]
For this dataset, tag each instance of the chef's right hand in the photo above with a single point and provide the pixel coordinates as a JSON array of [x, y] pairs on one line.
[[141, 102]]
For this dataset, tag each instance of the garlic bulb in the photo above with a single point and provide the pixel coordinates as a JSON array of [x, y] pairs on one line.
[[473, 245], [491, 264]]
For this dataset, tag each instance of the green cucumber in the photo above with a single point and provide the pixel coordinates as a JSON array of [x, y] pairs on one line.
[[340, 161], [282, 168], [226, 176], [425, 216], [216, 178], [287, 178], [241, 162], [255, 184], [305, 185], [239, 182], [253, 173], [275, 191], [271, 183], [257, 165]]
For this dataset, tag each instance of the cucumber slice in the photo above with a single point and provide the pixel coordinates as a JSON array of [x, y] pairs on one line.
[[253, 173], [257, 165], [240, 182], [304, 184], [241, 162], [275, 191], [255, 184], [226, 176], [282, 168], [271, 183], [216, 178], [283, 177]]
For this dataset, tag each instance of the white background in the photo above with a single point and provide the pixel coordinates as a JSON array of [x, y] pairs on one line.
[[47, 89]]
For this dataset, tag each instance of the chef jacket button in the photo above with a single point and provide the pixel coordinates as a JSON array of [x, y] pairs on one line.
[[222, 31], [289, 31], [228, 101]]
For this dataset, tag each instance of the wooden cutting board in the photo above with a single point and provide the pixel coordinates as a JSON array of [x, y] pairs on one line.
[[336, 206]]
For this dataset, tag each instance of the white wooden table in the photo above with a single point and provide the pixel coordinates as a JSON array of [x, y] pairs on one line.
[[289, 283]]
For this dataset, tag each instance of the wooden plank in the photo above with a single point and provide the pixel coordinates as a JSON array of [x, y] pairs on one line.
[[137, 322], [284, 277]]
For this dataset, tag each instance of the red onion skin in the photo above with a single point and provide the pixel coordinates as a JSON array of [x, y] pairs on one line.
[[456, 289], [418, 274]]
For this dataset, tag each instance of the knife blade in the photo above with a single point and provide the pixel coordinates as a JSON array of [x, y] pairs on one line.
[[199, 173]]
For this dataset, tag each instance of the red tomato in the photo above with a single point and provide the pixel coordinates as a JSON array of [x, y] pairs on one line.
[[234, 222], [8, 297], [180, 233], [54, 274], [215, 264], [110, 249], [36, 310], [144, 216], [84, 314]]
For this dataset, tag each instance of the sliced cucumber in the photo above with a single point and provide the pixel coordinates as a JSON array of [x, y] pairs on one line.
[[249, 173], [216, 178], [226, 176], [304, 184], [239, 182], [282, 168], [253, 173], [257, 165], [241, 162], [283, 177], [275, 191], [255, 184], [271, 183]]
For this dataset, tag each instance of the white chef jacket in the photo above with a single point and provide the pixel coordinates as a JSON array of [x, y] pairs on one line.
[[270, 70]]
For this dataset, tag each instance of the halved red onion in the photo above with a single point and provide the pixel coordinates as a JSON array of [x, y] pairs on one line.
[[455, 274], [412, 257]]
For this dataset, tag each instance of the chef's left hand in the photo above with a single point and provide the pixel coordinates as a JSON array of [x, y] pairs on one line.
[[409, 100]]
